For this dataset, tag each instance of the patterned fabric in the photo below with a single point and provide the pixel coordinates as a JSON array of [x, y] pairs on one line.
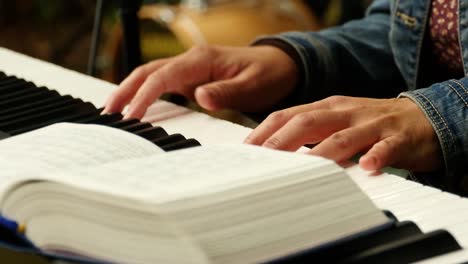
[[444, 36]]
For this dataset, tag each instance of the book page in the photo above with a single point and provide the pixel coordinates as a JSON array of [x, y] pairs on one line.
[[66, 147], [213, 195], [193, 172], [222, 193]]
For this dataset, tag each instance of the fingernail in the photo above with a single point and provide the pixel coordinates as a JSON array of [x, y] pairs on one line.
[[369, 162], [269, 145], [127, 115], [372, 160], [128, 111]]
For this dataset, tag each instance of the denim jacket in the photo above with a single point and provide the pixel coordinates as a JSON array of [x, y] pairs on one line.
[[381, 56]]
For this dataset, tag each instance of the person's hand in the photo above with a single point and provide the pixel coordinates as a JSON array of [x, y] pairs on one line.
[[390, 132], [245, 79]]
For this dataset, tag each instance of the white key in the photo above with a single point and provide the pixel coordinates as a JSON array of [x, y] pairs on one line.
[[458, 256], [447, 220], [369, 182], [392, 189], [372, 182], [431, 198], [426, 202], [438, 214], [404, 197]]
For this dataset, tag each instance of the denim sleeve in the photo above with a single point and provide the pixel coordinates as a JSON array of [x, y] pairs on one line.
[[347, 60], [446, 106]]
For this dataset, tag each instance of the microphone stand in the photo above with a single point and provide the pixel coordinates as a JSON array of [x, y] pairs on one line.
[[131, 35], [95, 38], [131, 51]]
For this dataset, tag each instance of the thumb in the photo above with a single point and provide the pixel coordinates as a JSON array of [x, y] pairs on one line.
[[222, 94]]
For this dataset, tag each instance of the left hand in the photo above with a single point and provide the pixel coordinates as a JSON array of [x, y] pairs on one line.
[[391, 132]]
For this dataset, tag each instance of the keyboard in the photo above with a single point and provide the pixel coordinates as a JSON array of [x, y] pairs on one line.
[[432, 225], [26, 107]]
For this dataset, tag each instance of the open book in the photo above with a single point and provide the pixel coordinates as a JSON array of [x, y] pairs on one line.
[[107, 195]]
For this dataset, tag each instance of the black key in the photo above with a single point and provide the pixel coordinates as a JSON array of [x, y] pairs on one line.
[[390, 215], [21, 92], [44, 116], [66, 101], [188, 143], [67, 118], [26, 100], [8, 80], [123, 123], [52, 98], [15, 86], [4, 135], [101, 119], [174, 138], [152, 133], [86, 114], [411, 249], [136, 127], [341, 251], [8, 84]]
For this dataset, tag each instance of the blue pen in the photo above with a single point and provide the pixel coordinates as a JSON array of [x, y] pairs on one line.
[[9, 224], [12, 235]]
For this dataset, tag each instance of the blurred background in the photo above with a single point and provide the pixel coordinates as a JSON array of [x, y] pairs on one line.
[[60, 31]]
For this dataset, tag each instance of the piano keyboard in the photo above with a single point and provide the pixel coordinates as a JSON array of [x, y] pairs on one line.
[[428, 207], [431, 210], [25, 107]]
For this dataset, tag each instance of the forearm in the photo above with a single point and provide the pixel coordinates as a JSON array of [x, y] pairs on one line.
[[354, 59]]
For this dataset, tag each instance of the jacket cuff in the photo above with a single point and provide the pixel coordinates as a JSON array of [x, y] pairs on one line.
[[303, 49], [446, 107]]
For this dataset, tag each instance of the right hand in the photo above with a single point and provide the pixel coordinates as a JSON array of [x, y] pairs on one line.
[[245, 79]]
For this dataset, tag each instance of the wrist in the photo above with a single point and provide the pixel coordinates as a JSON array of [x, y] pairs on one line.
[[289, 51]]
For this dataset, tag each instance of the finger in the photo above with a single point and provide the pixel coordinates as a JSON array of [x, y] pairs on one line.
[[344, 144], [228, 93], [127, 89], [384, 153], [277, 119], [176, 76], [153, 87], [308, 127], [270, 125]]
